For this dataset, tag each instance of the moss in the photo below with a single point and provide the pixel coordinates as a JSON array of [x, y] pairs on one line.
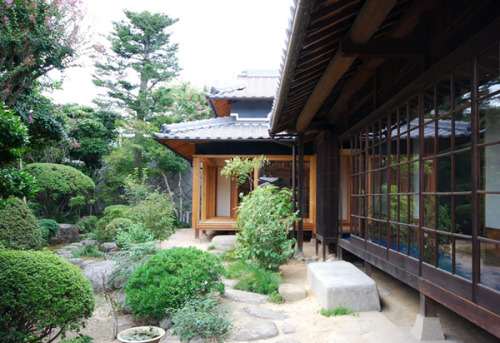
[[18, 227]]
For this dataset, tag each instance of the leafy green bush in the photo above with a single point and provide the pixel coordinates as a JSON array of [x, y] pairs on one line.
[[133, 234], [157, 214], [48, 228], [170, 278], [87, 251], [89, 225], [18, 226], [42, 293], [107, 232], [201, 317], [79, 339], [253, 278], [265, 219], [59, 184], [117, 211]]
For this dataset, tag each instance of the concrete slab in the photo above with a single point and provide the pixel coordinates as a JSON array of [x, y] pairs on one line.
[[341, 284]]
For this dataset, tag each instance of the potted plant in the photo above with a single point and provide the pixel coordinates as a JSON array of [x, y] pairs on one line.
[[142, 334]]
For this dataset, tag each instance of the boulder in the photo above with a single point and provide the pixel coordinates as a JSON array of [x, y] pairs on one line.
[[255, 331], [66, 233], [75, 261], [90, 242], [108, 246], [120, 300], [224, 242], [99, 273], [165, 323]]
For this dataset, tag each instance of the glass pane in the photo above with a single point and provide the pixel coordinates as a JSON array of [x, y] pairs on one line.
[[489, 71], [444, 135], [404, 232], [414, 176], [463, 173], [461, 83], [430, 174], [414, 113], [444, 213], [430, 211], [463, 256], [490, 216], [443, 95], [490, 265], [489, 119], [414, 246], [429, 135], [430, 248], [429, 111], [444, 252], [444, 174], [414, 209], [463, 214]]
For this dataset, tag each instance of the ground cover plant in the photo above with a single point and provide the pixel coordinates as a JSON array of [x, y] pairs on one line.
[[170, 278], [338, 311], [43, 296], [253, 278], [201, 317]]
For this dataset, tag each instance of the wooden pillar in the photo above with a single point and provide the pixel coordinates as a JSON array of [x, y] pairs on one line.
[[294, 187], [301, 194], [196, 196], [427, 306]]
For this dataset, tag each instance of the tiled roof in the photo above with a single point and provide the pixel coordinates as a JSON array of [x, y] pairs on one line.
[[248, 86], [226, 128]]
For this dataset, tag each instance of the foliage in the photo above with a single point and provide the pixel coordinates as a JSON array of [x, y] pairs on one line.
[[14, 138], [242, 169], [43, 296], [48, 228], [170, 278], [79, 339], [201, 317], [87, 251], [18, 226], [37, 36], [338, 311], [58, 184], [108, 232], [117, 211], [253, 278], [156, 214], [129, 258], [275, 297], [133, 234], [89, 225], [135, 186], [265, 220], [140, 49]]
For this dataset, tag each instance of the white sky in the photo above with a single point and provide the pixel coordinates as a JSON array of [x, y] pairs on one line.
[[217, 39]]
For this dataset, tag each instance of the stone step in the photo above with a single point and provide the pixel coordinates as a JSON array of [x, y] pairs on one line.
[[257, 330], [264, 313], [245, 297]]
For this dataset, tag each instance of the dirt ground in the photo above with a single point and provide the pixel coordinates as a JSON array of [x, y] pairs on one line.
[[400, 305]]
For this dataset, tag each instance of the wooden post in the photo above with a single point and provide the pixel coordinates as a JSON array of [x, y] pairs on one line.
[[300, 230], [196, 195], [294, 188]]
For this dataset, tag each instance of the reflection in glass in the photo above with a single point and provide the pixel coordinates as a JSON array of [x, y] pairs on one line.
[[490, 260], [463, 257], [488, 72]]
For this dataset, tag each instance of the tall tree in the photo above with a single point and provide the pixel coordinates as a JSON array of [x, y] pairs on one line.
[[138, 66], [35, 38]]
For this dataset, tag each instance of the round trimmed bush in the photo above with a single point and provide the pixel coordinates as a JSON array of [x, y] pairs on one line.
[[43, 296], [107, 232], [170, 278], [18, 227]]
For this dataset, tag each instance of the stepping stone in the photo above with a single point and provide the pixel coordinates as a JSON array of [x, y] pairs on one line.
[[245, 297], [224, 242], [258, 330], [76, 261], [287, 340], [229, 282], [264, 313], [340, 283], [288, 329], [291, 292]]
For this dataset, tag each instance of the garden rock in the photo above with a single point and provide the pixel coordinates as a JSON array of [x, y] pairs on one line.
[[86, 263], [165, 323], [288, 329], [90, 242], [76, 245], [120, 299], [108, 246], [264, 313], [222, 243], [258, 330], [76, 261], [99, 273], [299, 256], [291, 292], [66, 233], [118, 283], [288, 340], [245, 297]]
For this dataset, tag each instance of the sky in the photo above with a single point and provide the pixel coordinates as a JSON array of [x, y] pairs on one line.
[[217, 39]]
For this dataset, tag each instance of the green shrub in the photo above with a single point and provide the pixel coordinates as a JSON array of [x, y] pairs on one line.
[[110, 230], [87, 251], [59, 184], [253, 278], [80, 339], [265, 219], [41, 292], [2, 247], [133, 234], [201, 317], [275, 297], [338, 311], [170, 278], [48, 228], [117, 211], [18, 227], [157, 214], [89, 225]]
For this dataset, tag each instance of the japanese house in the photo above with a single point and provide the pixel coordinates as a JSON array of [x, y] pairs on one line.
[[401, 99], [240, 127]]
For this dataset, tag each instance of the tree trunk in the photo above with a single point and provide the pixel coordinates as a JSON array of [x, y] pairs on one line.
[[165, 179], [181, 194]]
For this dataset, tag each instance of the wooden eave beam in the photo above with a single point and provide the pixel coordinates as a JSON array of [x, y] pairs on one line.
[[369, 18], [406, 25], [381, 47]]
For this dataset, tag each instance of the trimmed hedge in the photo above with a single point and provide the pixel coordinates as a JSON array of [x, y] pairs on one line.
[[18, 227], [41, 292], [170, 278]]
